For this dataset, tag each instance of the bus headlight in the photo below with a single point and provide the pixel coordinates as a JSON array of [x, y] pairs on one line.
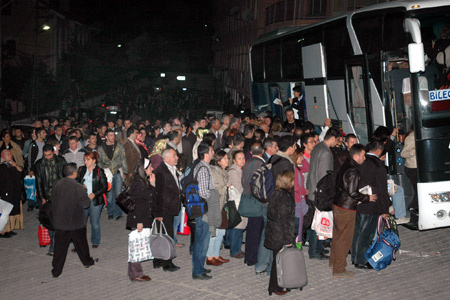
[[441, 214], [440, 197]]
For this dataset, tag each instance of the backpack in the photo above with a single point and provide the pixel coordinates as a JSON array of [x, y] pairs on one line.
[[262, 183], [196, 206], [188, 175], [325, 191]]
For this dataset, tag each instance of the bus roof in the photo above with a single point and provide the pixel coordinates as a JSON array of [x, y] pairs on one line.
[[408, 5]]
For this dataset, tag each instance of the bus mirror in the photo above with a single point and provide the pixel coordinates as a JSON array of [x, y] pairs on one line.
[[413, 27], [416, 58]]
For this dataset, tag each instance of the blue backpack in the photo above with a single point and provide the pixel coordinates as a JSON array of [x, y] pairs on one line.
[[196, 206]]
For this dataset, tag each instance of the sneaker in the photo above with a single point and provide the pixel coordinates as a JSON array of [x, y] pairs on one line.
[[346, 274], [402, 220]]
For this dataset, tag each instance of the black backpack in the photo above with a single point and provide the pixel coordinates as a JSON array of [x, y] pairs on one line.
[[325, 192]]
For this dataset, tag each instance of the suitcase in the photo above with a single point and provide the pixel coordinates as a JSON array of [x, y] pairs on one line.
[[291, 268], [44, 237]]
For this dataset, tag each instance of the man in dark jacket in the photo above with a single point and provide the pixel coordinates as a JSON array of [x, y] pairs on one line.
[[373, 174], [168, 200], [344, 209], [69, 199], [281, 161], [49, 169]]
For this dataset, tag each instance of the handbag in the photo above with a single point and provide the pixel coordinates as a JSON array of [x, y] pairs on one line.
[[44, 236], [30, 187], [232, 214], [249, 206], [323, 223], [109, 187], [161, 244], [125, 202], [382, 251], [46, 216], [183, 227], [139, 246]]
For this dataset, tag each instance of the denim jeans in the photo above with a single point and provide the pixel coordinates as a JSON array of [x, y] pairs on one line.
[[116, 189], [176, 222], [51, 234], [215, 243], [398, 202], [201, 244], [94, 213], [235, 237], [265, 256], [315, 245]]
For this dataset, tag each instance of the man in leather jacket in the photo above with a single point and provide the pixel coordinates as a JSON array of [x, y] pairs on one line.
[[344, 209]]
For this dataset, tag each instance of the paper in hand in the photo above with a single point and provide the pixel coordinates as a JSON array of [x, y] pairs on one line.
[[277, 101]]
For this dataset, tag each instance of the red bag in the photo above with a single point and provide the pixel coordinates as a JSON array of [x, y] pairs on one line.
[[44, 237], [185, 229]]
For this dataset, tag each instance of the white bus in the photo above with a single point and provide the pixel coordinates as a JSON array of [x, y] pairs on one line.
[[383, 65]]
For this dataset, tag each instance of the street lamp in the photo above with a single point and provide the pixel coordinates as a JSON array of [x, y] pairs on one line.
[[181, 78], [46, 27]]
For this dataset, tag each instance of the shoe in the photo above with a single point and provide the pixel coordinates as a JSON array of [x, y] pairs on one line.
[[30, 208], [326, 244], [156, 266], [73, 250], [94, 246], [401, 220], [179, 245], [213, 262], [5, 236], [12, 233], [50, 253], [226, 247], [279, 293], [346, 274], [117, 218], [142, 278], [260, 273], [89, 266], [171, 268], [110, 217], [201, 277], [223, 260], [363, 267], [207, 271], [239, 255], [251, 264], [325, 251], [320, 257]]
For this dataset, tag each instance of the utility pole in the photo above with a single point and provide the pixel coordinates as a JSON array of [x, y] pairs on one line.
[[34, 98]]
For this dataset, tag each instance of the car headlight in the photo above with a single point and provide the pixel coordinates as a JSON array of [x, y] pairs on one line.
[[440, 197]]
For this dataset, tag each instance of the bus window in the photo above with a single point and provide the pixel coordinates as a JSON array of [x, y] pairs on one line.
[[258, 63], [292, 58], [367, 28], [357, 103], [272, 61], [337, 47], [394, 36]]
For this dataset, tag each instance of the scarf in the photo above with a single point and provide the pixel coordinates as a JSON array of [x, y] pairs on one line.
[[139, 143]]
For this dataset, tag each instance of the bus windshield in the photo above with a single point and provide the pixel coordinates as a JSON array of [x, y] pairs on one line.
[[434, 83]]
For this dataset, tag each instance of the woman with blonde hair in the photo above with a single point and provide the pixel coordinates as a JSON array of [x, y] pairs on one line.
[[155, 157]]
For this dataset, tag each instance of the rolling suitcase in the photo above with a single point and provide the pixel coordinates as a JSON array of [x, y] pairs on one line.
[[291, 268]]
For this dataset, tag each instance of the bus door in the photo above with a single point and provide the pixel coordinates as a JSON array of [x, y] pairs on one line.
[[275, 93], [358, 97], [314, 74]]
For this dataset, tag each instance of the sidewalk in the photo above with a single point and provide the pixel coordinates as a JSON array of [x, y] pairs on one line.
[[26, 272]]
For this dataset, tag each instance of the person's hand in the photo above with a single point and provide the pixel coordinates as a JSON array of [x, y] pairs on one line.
[[84, 186], [306, 192], [290, 245], [152, 179], [91, 196], [43, 201], [394, 132], [290, 100], [327, 122], [31, 173], [13, 163], [385, 216], [159, 219], [140, 226], [373, 198]]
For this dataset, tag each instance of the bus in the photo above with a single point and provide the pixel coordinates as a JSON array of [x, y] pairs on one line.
[[382, 65]]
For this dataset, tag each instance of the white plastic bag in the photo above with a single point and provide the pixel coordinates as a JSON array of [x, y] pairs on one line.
[[139, 246], [5, 209], [323, 223]]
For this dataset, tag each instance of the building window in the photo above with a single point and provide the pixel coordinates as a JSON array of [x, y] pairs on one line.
[[316, 8]]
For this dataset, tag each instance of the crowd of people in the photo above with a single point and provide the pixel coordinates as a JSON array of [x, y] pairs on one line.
[[88, 165]]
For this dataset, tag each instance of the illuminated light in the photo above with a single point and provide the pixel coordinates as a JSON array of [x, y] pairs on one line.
[[315, 106], [184, 89], [163, 74], [300, 40], [119, 45], [103, 105], [45, 27], [107, 107], [113, 112], [181, 78], [242, 111], [415, 6]]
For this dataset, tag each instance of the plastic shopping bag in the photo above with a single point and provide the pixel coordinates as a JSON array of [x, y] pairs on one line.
[[323, 223], [5, 209], [30, 187], [139, 246]]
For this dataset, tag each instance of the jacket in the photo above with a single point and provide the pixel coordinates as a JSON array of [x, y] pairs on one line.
[[220, 178], [142, 195], [75, 157], [348, 183], [69, 199], [43, 185], [409, 152], [132, 155], [11, 187], [280, 162], [99, 183], [280, 228], [249, 168], [373, 173], [117, 161], [167, 195], [16, 152], [321, 162]]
